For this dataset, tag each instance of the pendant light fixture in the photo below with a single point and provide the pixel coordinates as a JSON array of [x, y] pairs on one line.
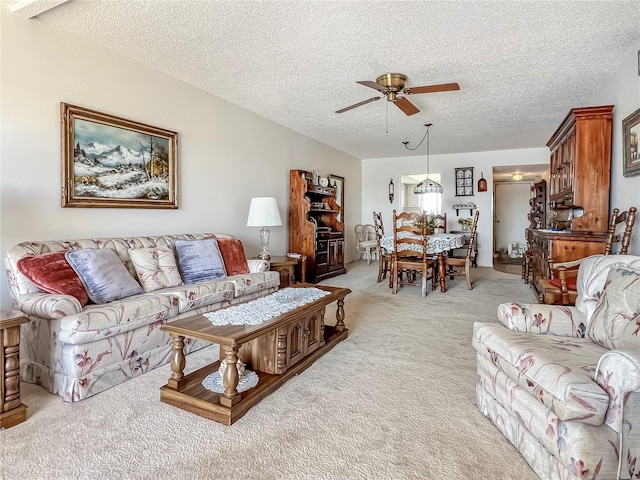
[[427, 185]]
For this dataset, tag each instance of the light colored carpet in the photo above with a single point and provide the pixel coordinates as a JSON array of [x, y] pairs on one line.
[[396, 400]]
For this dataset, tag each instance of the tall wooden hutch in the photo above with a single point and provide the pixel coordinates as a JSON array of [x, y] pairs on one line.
[[314, 227], [579, 182]]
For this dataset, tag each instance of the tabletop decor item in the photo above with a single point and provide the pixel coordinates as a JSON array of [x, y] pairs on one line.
[[108, 161], [465, 223]]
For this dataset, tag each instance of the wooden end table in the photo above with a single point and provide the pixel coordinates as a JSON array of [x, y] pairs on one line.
[[276, 350], [285, 266], [12, 410]]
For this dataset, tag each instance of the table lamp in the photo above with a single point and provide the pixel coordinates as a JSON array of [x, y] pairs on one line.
[[263, 212]]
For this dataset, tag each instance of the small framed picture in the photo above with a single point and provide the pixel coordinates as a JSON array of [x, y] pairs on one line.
[[631, 133]]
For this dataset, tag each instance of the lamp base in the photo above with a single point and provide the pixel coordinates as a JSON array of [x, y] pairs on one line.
[[264, 256], [264, 241]]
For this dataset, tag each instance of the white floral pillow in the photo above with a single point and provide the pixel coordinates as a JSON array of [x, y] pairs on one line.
[[156, 268], [616, 320]]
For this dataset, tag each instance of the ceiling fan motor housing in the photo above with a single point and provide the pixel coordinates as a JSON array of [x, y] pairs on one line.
[[395, 82]]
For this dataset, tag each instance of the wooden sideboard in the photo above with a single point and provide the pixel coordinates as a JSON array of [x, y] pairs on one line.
[[579, 182], [561, 247]]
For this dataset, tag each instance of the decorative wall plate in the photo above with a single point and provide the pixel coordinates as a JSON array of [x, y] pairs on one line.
[[324, 182]]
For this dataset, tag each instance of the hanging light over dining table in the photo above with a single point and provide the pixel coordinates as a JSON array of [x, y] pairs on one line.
[[427, 185]]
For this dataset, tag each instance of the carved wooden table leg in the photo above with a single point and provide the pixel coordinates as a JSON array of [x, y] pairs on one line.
[[12, 410], [230, 378], [177, 362], [441, 272], [340, 315]]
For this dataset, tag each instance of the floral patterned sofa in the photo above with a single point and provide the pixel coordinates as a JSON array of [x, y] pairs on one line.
[[563, 383], [76, 351]]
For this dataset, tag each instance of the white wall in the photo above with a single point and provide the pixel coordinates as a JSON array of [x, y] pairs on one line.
[[623, 91], [376, 173], [511, 208], [226, 154]]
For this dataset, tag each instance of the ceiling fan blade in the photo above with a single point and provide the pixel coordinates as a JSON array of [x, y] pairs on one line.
[[375, 85], [444, 87], [406, 106], [358, 104]]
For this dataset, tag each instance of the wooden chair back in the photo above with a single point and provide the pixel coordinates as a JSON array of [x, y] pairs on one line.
[[415, 226], [410, 251], [377, 223], [472, 240], [441, 221], [629, 218]]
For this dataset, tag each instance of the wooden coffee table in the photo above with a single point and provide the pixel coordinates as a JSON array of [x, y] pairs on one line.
[[276, 350]]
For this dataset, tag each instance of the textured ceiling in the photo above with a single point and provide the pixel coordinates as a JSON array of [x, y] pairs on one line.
[[520, 65]]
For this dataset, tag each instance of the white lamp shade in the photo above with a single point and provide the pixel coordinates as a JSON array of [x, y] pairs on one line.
[[263, 212]]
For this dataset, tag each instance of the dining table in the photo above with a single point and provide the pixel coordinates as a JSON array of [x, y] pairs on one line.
[[437, 244]]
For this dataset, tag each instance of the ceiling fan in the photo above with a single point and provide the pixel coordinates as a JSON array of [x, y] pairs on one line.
[[391, 84]]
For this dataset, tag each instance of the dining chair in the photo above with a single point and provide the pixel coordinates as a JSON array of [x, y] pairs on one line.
[[366, 242], [410, 252], [561, 288], [441, 223], [465, 262], [384, 257]]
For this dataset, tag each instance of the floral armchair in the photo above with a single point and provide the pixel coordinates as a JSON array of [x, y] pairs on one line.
[[563, 383]]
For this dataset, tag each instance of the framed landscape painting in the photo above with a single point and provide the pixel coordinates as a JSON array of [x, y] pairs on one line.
[[631, 134], [109, 161]]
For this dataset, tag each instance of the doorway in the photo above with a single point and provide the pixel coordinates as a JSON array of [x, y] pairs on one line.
[[509, 224]]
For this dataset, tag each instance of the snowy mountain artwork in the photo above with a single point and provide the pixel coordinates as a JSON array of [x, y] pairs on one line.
[[118, 163]]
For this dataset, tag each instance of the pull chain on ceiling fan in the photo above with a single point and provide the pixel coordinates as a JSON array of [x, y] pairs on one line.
[[392, 84]]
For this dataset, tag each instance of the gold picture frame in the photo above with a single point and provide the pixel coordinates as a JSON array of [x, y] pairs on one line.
[[630, 137], [112, 162]]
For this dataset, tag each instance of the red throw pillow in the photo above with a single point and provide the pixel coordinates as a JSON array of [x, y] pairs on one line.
[[235, 262], [52, 273], [571, 283]]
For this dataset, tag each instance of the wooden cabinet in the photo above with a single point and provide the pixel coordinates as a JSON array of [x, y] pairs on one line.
[[304, 337], [580, 167], [315, 226], [561, 247], [580, 175], [278, 350]]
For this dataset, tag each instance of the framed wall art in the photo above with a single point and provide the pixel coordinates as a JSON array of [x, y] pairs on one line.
[[464, 182], [337, 182], [631, 132], [109, 161]]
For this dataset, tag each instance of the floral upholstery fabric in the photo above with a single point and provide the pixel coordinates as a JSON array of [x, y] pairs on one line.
[[542, 318], [592, 276], [77, 352], [96, 322], [577, 445], [544, 382], [254, 282], [190, 297], [616, 319], [155, 267], [558, 371]]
